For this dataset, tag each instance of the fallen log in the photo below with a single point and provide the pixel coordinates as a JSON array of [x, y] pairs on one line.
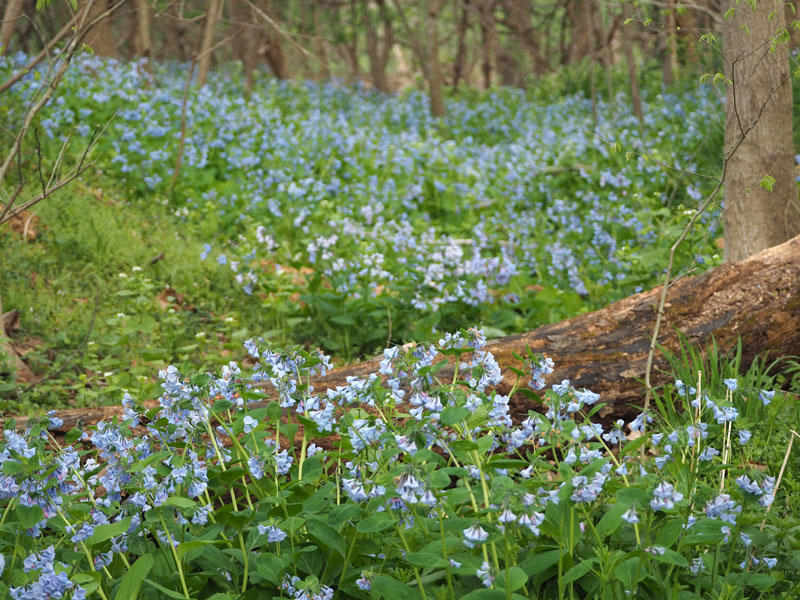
[[757, 300]]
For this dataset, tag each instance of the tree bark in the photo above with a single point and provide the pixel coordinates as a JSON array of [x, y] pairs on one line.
[[460, 63], [379, 47], [519, 20], [100, 38], [580, 28], [488, 39], [435, 76], [204, 57], [761, 204], [143, 46], [11, 15], [757, 300], [627, 46]]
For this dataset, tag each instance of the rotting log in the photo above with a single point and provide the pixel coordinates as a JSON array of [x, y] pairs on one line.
[[606, 350]]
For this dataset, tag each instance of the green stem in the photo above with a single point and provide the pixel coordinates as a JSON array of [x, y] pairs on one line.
[[416, 569], [175, 556], [246, 561]]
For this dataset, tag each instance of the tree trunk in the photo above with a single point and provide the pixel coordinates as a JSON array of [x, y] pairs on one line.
[[100, 38], [627, 44], [761, 205], [143, 45], [580, 28], [519, 20], [757, 300], [11, 15], [379, 47], [204, 56], [460, 63], [489, 41], [435, 77], [668, 45]]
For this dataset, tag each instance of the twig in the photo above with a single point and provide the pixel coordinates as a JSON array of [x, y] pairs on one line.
[[39, 57], [75, 172]]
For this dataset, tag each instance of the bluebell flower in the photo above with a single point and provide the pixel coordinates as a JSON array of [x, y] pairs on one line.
[[766, 396], [474, 535]]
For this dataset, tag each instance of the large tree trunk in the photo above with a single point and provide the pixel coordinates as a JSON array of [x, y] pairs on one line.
[[761, 205], [204, 57], [606, 350], [143, 46], [11, 15], [580, 28], [100, 38], [379, 47], [460, 63]]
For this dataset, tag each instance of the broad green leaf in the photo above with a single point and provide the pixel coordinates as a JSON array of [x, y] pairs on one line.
[[180, 502], [375, 523], [131, 582], [671, 557], [536, 563], [392, 589], [516, 578], [186, 547], [326, 535], [578, 571], [29, 515], [106, 532], [612, 519]]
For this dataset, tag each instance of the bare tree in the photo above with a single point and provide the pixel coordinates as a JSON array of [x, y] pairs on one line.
[[761, 204]]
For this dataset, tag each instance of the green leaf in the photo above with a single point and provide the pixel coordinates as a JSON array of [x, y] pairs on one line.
[[453, 414], [29, 515], [536, 563], [12, 467], [141, 465], [634, 445], [324, 534], [578, 571], [168, 592], [671, 557], [760, 581], [88, 580], [375, 523], [72, 436], [516, 578], [108, 531], [131, 582], [438, 480], [392, 589], [463, 446], [767, 182], [611, 521], [630, 572], [187, 547], [180, 502]]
